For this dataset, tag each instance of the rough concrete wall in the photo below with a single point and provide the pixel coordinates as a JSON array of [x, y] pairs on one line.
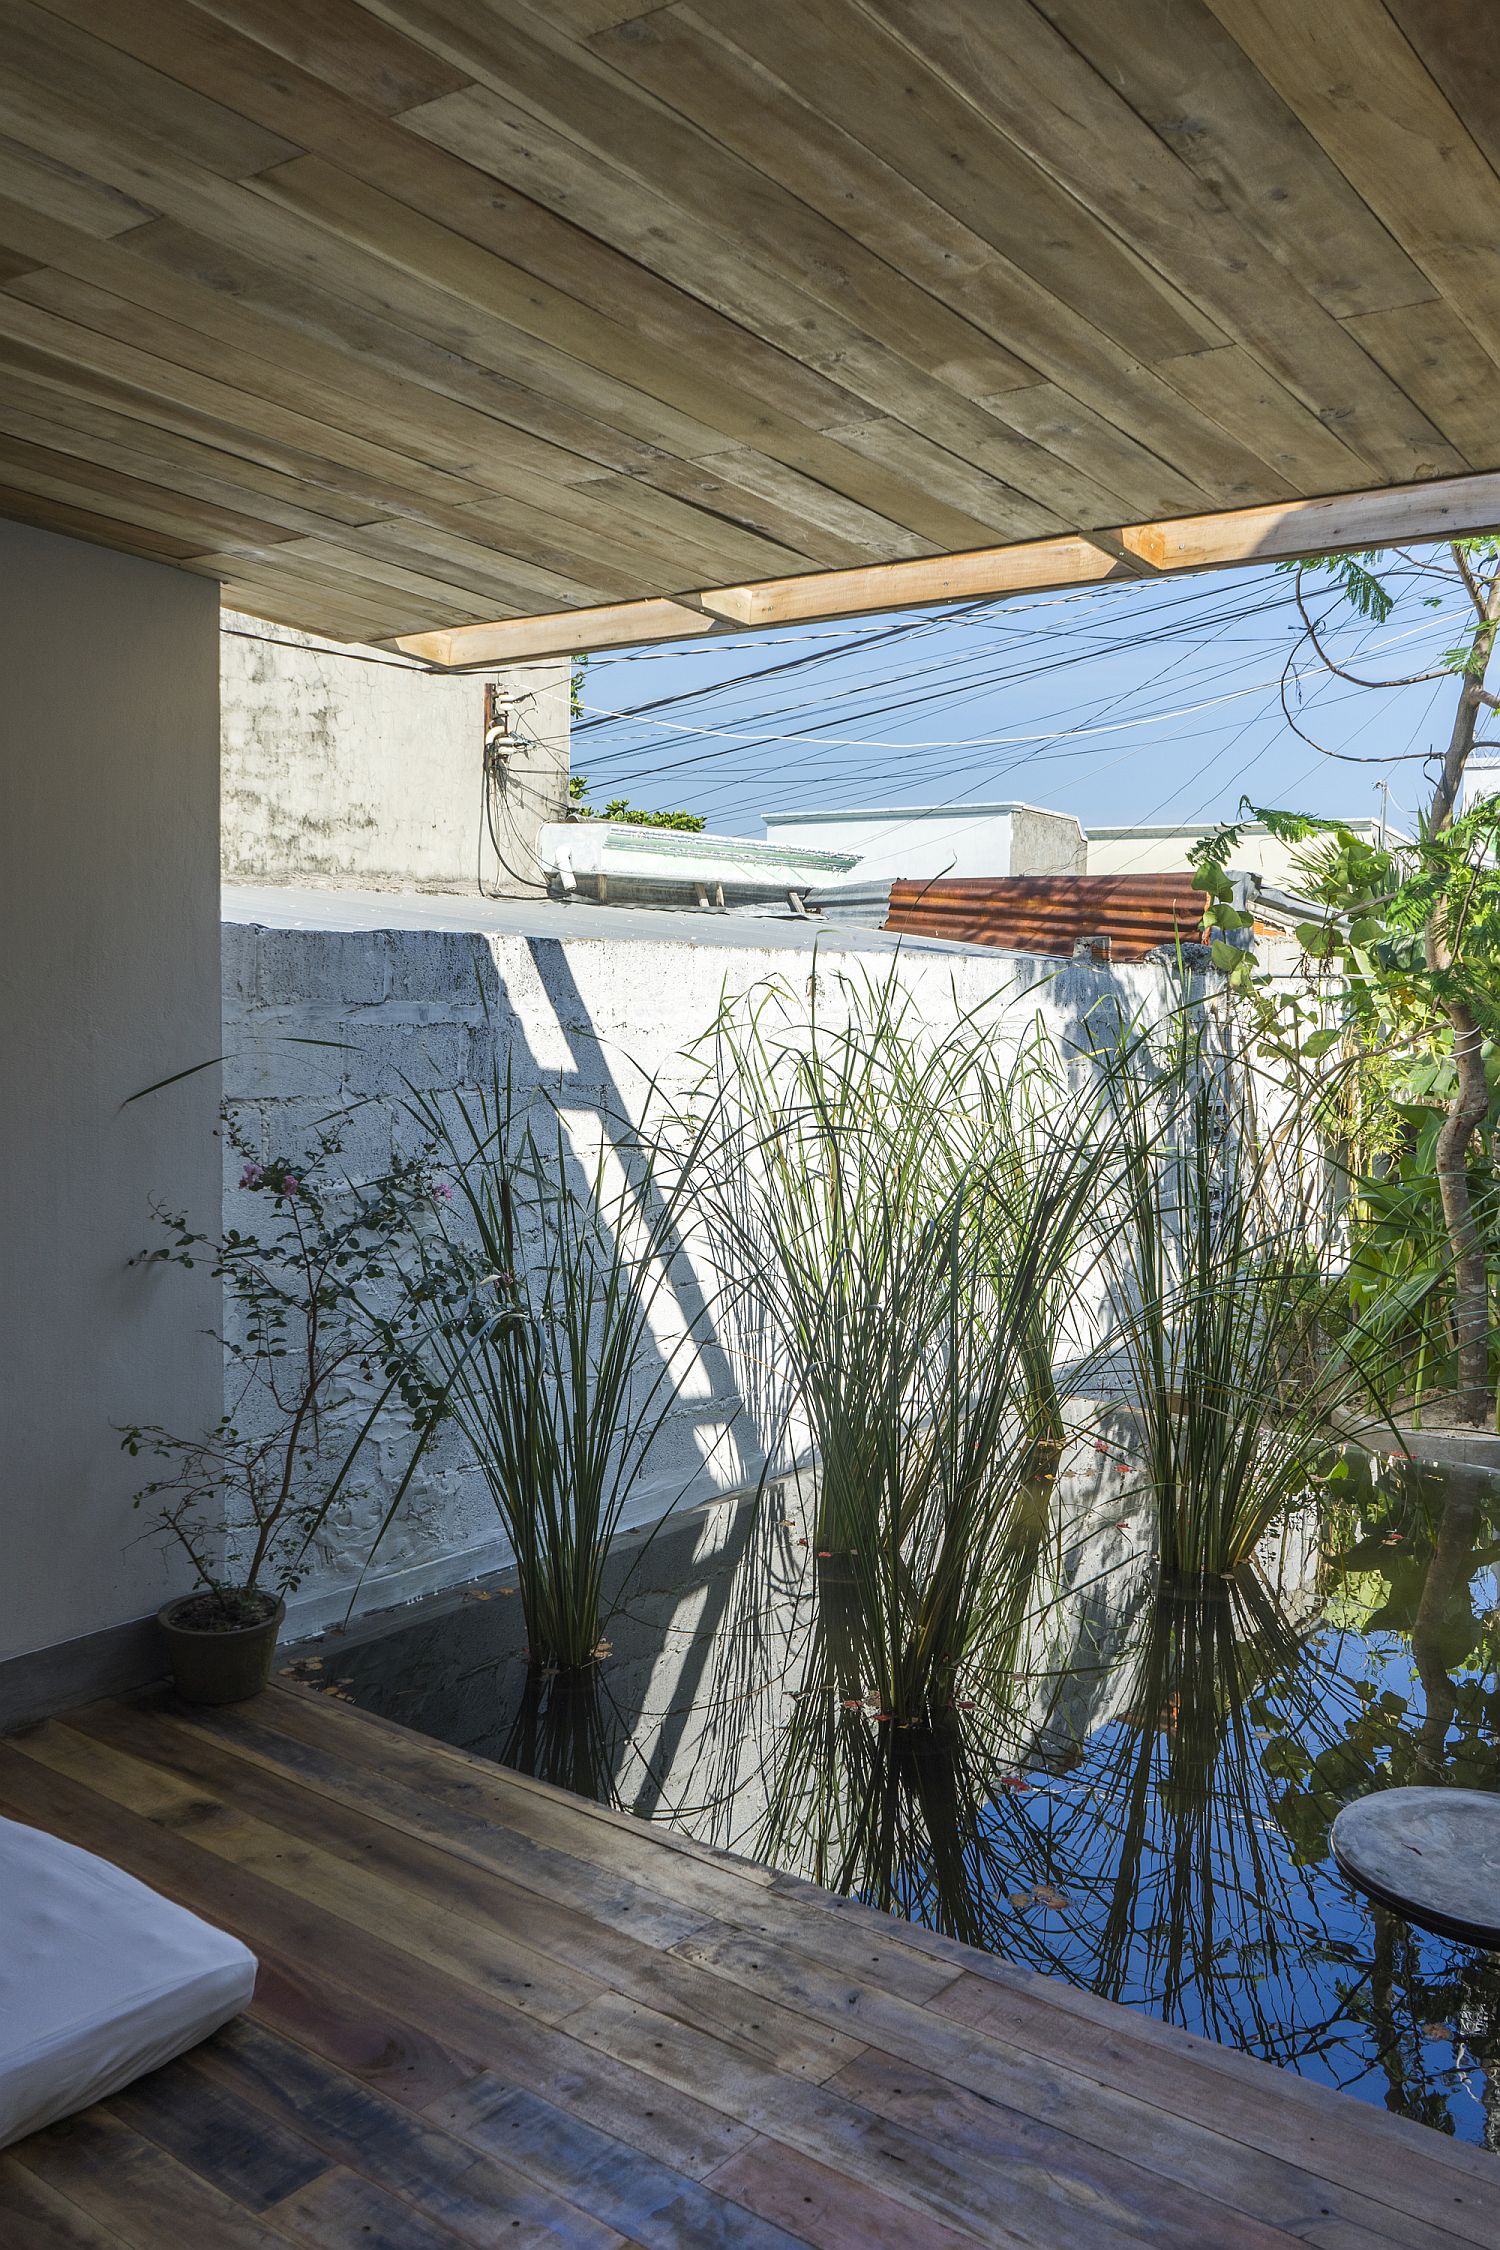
[[1045, 843], [589, 1022], [348, 765], [109, 982]]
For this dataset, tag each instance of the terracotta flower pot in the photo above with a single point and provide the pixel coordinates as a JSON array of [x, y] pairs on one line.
[[214, 1663]]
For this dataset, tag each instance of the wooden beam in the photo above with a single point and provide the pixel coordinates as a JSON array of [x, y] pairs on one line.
[[560, 633], [1448, 508]]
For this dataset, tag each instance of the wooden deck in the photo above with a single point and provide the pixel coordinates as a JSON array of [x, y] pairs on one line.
[[491, 2013]]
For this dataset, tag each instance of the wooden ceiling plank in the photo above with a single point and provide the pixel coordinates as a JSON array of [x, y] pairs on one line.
[[286, 572], [1391, 131], [1305, 451], [972, 499], [269, 222], [38, 48], [869, 84], [900, 350], [1457, 44], [479, 275], [58, 358], [305, 609], [370, 612], [466, 276], [358, 498], [473, 444], [1180, 71], [748, 488], [79, 202], [475, 562], [681, 374], [341, 556], [271, 301], [243, 388], [224, 485], [236, 297], [735, 95], [1145, 485], [1027, 83], [236, 294], [1440, 363], [354, 51], [25, 468], [548, 518], [97, 353], [21, 506], [711, 225]]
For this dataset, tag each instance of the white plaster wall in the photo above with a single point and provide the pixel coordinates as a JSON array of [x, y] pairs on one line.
[[590, 1019], [109, 981], [1163, 851], [350, 765], [924, 843]]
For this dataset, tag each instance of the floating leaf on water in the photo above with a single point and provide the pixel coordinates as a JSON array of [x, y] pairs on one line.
[[1045, 1895]]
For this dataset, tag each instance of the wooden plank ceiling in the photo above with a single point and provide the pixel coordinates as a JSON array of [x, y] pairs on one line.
[[406, 315]]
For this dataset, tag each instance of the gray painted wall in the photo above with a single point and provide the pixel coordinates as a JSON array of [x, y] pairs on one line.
[[109, 980], [347, 765]]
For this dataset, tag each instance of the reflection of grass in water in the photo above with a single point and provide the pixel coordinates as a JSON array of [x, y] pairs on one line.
[[1181, 1840], [893, 1812]]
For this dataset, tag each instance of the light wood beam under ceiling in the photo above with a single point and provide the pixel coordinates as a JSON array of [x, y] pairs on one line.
[[1450, 508]]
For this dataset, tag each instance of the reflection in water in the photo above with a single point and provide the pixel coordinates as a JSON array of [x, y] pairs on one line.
[[1136, 1795]]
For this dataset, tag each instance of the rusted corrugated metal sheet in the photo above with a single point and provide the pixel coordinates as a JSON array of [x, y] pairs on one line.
[[1050, 913]]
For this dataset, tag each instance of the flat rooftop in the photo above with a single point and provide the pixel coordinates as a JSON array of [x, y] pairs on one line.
[[305, 907]]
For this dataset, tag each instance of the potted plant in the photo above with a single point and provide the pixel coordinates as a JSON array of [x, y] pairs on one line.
[[316, 1347]]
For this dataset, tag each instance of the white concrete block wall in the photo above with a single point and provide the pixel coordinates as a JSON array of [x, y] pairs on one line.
[[346, 765], [592, 1020]]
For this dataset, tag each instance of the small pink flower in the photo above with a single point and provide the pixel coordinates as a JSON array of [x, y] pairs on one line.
[[441, 1192], [288, 1185], [252, 1176]]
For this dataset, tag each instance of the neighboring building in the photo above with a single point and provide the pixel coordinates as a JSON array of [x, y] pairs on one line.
[[1481, 779], [348, 765], [935, 841], [1164, 850]]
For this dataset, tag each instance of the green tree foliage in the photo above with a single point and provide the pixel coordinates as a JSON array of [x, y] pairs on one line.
[[1409, 939], [620, 808]]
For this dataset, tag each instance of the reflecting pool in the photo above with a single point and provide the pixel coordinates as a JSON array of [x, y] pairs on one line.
[[1136, 1797]]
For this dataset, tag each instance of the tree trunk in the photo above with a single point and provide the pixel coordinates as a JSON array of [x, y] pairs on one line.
[[1470, 1105]]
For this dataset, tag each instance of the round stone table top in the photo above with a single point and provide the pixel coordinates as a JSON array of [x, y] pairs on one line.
[[1432, 1854]]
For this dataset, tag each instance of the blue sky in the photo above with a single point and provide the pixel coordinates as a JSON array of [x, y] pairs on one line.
[[1125, 703]]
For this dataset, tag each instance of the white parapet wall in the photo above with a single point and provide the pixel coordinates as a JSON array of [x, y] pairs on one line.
[[935, 843], [352, 765], [587, 1005]]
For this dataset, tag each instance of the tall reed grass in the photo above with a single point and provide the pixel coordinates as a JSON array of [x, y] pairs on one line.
[[904, 1208], [1226, 1261], [554, 1336]]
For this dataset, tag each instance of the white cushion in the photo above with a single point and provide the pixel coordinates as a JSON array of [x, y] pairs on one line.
[[100, 1979]]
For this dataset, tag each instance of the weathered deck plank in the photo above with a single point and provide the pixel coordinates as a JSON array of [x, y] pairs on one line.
[[490, 2012]]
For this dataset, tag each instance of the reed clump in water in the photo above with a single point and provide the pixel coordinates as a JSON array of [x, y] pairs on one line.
[[1234, 1332], [905, 1208], [542, 1276]]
